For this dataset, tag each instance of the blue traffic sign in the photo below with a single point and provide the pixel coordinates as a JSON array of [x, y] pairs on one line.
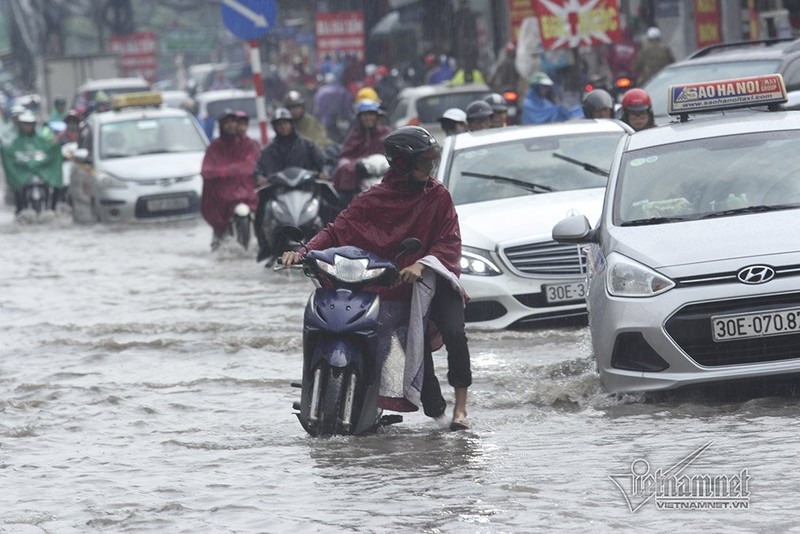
[[249, 19]]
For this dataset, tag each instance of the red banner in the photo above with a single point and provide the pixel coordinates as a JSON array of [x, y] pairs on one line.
[[341, 31], [708, 22], [519, 10], [138, 54], [572, 23]]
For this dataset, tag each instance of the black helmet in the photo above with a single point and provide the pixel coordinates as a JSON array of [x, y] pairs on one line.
[[498, 103], [405, 143], [479, 110], [293, 98], [281, 114], [596, 100]]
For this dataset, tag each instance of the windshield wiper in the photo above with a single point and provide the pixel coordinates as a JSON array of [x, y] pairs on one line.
[[750, 209], [155, 151], [588, 166], [657, 220], [530, 186]]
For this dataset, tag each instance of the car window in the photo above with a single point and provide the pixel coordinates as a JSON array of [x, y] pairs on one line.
[[529, 166], [658, 87], [694, 179], [791, 75], [149, 136], [399, 111], [246, 104], [430, 108]]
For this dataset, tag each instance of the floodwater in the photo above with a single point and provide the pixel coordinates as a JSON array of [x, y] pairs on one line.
[[145, 387]]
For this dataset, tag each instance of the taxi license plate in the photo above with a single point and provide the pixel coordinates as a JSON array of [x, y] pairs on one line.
[[570, 292], [167, 204], [757, 324]]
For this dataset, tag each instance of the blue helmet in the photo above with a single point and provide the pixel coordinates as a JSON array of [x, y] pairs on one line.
[[367, 105]]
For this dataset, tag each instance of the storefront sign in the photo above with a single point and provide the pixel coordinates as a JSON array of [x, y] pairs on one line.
[[708, 22], [572, 23], [341, 31], [138, 54]]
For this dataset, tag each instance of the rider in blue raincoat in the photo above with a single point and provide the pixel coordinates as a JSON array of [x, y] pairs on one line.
[[540, 104]]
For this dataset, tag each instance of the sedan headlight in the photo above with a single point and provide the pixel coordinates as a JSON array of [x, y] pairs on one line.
[[628, 278], [107, 181], [478, 262]]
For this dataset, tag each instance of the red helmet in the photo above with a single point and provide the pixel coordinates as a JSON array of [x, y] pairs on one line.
[[636, 100]]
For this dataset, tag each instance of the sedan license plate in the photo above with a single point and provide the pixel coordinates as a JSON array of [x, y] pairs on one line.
[[757, 324], [168, 204], [570, 292]]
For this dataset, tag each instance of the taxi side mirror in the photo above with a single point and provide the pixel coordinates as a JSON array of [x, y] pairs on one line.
[[575, 229]]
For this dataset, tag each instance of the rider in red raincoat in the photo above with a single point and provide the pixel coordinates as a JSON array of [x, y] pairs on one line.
[[410, 203], [228, 173]]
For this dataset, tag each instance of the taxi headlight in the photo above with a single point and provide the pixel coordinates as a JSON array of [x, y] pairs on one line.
[[628, 278], [107, 181], [478, 262]]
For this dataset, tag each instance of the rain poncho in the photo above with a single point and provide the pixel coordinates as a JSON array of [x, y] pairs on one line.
[[228, 178], [29, 155], [380, 218], [539, 110]]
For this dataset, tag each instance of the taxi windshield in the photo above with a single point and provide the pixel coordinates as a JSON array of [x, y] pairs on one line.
[[531, 166], [702, 72], [161, 135], [715, 177]]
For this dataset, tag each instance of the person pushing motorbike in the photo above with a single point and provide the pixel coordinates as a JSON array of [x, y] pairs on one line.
[[409, 202], [288, 149], [227, 174]]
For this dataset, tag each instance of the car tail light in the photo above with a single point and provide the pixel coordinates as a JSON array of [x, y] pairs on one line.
[[510, 96], [588, 88], [623, 82], [414, 122]]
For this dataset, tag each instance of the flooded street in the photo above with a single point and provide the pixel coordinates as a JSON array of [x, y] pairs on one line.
[[145, 387]]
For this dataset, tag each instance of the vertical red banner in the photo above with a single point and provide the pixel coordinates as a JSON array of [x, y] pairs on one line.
[[342, 31], [138, 54], [572, 23], [519, 10], [708, 22]]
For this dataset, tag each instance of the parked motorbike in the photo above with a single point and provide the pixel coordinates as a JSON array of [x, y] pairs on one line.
[[296, 197], [341, 361]]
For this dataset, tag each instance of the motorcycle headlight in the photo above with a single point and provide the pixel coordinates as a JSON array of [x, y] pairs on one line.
[[310, 210], [107, 181], [478, 262], [280, 213], [628, 278], [349, 270]]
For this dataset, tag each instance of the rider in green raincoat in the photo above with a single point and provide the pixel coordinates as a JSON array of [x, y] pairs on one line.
[[29, 154]]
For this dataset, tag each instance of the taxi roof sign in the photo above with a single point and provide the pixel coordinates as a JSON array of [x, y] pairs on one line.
[[726, 94], [138, 100]]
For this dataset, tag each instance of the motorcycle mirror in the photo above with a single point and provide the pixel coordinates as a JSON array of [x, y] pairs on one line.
[[293, 233], [409, 246]]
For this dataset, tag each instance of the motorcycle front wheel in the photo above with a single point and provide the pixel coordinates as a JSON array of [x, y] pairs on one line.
[[242, 231], [334, 415]]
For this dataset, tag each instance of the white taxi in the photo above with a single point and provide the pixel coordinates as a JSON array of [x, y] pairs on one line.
[[139, 161], [694, 266]]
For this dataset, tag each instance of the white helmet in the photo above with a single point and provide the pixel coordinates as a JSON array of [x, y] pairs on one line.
[[653, 33]]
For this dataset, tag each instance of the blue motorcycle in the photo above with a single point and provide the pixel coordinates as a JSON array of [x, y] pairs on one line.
[[341, 359]]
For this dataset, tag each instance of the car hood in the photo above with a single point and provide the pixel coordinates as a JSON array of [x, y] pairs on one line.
[[154, 166], [524, 219], [677, 248]]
